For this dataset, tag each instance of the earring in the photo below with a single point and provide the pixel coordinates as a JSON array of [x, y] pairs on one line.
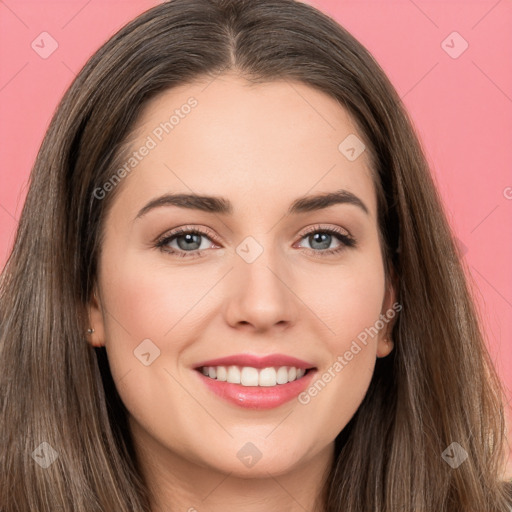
[[90, 331]]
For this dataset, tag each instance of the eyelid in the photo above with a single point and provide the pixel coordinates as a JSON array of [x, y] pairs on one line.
[[201, 230], [204, 230], [342, 234], [322, 227]]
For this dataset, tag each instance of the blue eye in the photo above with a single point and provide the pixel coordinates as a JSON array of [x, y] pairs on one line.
[[189, 242], [320, 240]]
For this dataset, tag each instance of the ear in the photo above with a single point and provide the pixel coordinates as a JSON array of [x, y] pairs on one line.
[[96, 322], [390, 309]]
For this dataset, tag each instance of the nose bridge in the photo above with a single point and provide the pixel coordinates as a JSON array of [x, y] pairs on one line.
[[258, 265], [258, 291]]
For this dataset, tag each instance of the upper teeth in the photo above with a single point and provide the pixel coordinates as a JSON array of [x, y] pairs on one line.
[[249, 376]]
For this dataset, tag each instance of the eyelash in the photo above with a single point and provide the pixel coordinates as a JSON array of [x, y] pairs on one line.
[[346, 240]]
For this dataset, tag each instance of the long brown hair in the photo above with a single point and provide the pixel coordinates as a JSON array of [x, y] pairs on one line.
[[437, 387]]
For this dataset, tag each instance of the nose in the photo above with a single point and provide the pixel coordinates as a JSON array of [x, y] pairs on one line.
[[260, 294]]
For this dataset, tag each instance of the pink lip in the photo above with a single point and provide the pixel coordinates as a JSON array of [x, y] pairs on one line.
[[257, 361], [257, 397]]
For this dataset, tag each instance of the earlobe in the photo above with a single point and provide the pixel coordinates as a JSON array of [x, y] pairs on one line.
[[95, 331], [385, 342], [385, 347]]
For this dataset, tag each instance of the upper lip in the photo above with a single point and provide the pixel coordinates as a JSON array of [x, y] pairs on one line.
[[255, 361]]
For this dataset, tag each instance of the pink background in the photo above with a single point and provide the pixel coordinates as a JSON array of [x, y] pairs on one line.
[[462, 108]]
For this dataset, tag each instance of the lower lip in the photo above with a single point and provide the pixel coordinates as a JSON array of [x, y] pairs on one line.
[[258, 397]]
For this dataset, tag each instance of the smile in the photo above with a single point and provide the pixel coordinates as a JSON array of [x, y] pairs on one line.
[[256, 382], [250, 376]]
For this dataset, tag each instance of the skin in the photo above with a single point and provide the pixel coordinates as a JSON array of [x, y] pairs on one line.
[[260, 146]]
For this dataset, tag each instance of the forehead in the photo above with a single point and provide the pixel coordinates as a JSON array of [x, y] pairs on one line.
[[227, 135]]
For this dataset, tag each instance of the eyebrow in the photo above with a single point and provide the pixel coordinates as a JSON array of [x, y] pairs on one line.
[[220, 205]]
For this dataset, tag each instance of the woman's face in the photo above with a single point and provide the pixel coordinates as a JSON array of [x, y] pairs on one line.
[[267, 272]]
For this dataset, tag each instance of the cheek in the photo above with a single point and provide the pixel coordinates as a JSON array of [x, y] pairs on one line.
[[150, 300], [144, 302], [350, 305], [347, 299], [146, 312]]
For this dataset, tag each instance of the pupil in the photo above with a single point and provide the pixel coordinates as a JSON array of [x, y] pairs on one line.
[[323, 238], [189, 238]]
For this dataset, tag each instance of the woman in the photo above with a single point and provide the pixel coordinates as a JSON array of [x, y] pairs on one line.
[[315, 347]]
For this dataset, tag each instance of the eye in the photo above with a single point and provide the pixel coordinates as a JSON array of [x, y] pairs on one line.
[[185, 242], [192, 242], [320, 240]]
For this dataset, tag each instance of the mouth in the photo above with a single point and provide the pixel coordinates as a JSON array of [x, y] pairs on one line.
[[256, 383], [251, 376]]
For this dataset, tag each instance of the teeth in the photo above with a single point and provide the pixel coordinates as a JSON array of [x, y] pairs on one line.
[[249, 376], [233, 375], [282, 375], [267, 377], [222, 374]]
